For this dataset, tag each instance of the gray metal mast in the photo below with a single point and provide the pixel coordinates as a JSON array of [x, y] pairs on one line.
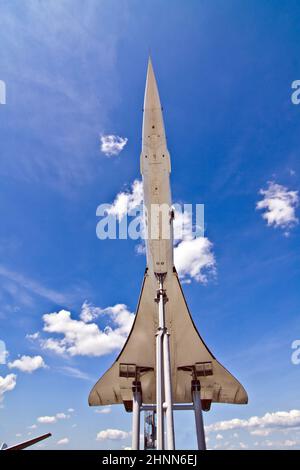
[[164, 406], [163, 374]]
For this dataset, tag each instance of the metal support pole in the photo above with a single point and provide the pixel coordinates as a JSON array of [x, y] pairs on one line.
[[198, 414], [168, 392], [159, 392], [136, 408], [163, 374], [161, 297]]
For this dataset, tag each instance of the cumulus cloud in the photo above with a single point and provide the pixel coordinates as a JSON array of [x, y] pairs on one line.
[[278, 419], [182, 224], [126, 201], [33, 336], [27, 363], [62, 416], [80, 337], [63, 441], [119, 314], [3, 352], [280, 444], [261, 432], [112, 434], [278, 205], [194, 259], [52, 419], [7, 384], [52, 345], [89, 312], [47, 419], [112, 145]]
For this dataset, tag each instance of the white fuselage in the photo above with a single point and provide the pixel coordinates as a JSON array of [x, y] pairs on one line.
[[155, 170]]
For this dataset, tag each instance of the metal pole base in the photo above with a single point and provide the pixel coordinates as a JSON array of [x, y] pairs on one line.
[[136, 408], [198, 414]]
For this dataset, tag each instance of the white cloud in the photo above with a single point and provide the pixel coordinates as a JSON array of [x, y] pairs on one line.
[[52, 419], [27, 363], [33, 426], [62, 416], [7, 384], [52, 345], [279, 205], [280, 444], [3, 352], [89, 312], [127, 201], [182, 224], [112, 145], [47, 419], [289, 443], [261, 432], [63, 441], [119, 314], [219, 437], [112, 434], [278, 419], [194, 258], [87, 339], [71, 410], [103, 411], [33, 336]]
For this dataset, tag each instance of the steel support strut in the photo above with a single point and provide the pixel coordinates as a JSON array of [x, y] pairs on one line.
[[164, 401], [159, 392], [163, 375], [168, 392], [198, 414], [136, 408]]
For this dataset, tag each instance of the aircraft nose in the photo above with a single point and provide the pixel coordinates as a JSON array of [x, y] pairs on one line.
[[153, 124], [151, 99]]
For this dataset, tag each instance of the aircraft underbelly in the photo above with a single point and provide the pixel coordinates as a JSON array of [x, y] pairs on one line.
[[159, 232]]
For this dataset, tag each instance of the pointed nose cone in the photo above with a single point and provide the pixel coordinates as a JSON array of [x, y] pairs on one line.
[[151, 99], [153, 124]]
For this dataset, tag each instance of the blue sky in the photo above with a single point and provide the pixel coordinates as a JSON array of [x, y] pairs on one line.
[[75, 71]]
